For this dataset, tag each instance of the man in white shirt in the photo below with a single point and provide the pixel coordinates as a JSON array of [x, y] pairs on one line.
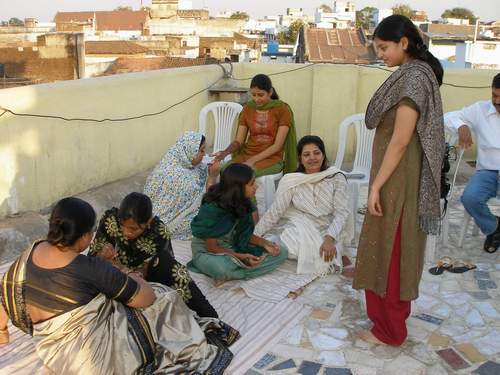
[[484, 119]]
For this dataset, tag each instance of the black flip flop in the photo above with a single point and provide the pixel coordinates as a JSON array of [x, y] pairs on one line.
[[461, 267], [442, 265]]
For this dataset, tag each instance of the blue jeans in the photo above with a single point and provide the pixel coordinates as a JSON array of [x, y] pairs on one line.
[[481, 187]]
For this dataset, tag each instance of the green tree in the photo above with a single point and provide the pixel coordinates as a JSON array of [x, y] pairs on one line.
[[290, 36], [16, 22], [4, 23], [402, 9], [123, 7], [326, 8], [462, 13], [364, 17], [282, 37], [293, 30], [240, 16]]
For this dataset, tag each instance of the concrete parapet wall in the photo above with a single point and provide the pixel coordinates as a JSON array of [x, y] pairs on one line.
[[43, 160]]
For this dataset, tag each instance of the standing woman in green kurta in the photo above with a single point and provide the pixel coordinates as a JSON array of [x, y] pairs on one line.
[[404, 192], [224, 246]]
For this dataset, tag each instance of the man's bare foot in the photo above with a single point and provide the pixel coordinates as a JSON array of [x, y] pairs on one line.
[[369, 337]]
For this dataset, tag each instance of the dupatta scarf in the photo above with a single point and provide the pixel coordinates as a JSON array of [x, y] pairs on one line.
[[416, 80]]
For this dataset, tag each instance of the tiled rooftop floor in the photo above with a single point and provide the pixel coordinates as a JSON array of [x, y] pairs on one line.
[[454, 327]]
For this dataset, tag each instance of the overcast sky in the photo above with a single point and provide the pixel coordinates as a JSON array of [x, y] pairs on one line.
[[45, 10]]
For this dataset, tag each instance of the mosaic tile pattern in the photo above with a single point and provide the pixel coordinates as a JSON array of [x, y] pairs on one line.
[[454, 326]]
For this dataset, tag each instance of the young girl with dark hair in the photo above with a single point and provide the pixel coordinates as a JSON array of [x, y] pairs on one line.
[[310, 211], [266, 138], [135, 240], [404, 191], [224, 246]]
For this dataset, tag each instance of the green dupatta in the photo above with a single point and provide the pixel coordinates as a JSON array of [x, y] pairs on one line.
[[214, 222], [290, 148]]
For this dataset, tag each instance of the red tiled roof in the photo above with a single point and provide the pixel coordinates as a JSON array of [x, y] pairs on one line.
[[337, 45], [107, 20], [114, 47], [140, 64]]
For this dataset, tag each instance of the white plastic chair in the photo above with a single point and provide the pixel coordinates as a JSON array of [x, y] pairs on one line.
[[360, 174], [452, 139], [430, 250], [225, 114]]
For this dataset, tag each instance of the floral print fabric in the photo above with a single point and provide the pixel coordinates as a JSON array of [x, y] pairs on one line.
[[176, 186], [140, 253]]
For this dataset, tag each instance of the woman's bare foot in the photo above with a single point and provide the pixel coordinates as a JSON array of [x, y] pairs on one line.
[[369, 337], [218, 283], [4, 336]]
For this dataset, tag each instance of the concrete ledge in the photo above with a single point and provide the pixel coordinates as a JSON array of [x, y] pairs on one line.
[[18, 232]]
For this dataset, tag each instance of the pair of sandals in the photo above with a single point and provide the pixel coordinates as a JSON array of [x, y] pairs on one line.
[[447, 264]]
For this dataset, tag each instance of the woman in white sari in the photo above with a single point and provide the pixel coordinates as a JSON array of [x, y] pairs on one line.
[[309, 214], [88, 317]]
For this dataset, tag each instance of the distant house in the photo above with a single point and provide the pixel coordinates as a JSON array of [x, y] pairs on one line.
[[237, 48], [113, 48], [123, 24], [336, 46], [141, 64], [457, 46], [442, 39]]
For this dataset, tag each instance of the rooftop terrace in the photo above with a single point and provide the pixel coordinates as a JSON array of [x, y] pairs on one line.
[[455, 324]]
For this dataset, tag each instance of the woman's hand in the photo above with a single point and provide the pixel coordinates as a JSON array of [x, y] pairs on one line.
[[250, 259], [219, 155], [107, 252], [271, 248], [374, 206], [214, 168], [328, 250], [250, 163]]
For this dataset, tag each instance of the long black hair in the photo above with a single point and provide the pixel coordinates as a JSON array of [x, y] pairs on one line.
[[70, 219], [263, 82], [229, 193], [496, 82], [395, 27], [136, 206], [307, 140]]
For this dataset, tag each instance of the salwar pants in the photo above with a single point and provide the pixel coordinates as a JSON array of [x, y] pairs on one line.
[[389, 313]]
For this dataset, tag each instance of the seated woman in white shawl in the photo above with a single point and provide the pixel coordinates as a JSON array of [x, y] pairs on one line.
[[310, 211]]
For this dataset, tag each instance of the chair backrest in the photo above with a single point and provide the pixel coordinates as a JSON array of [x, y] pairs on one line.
[[451, 138], [224, 113], [364, 144]]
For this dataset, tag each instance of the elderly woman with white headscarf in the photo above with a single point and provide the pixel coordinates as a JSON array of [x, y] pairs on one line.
[[178, 183]]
